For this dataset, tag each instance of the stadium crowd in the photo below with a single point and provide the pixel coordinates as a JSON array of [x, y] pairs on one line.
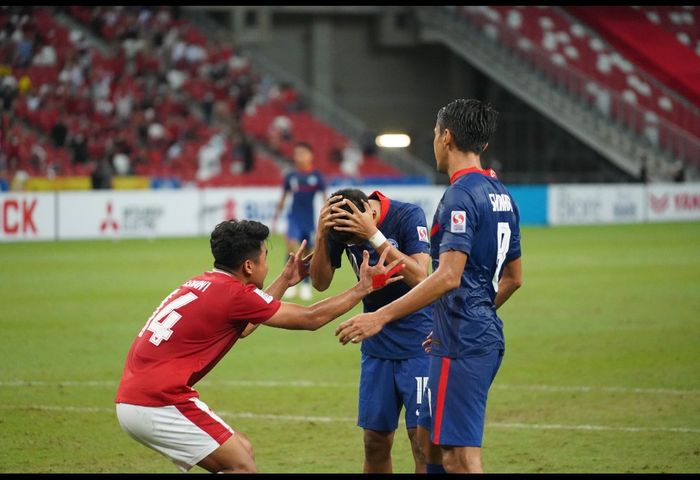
[[145, 90]]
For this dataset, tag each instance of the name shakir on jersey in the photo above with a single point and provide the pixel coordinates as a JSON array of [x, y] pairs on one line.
[[500, 202]]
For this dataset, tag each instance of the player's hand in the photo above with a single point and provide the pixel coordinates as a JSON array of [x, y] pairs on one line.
[[428, 342], [325, 221], [379, 275], [356, 222], [297, 268], [358, 328]]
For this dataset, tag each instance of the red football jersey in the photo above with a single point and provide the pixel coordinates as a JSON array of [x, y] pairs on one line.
[[187, 335]]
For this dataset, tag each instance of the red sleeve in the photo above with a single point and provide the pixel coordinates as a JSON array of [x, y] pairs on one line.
[[253, 305]]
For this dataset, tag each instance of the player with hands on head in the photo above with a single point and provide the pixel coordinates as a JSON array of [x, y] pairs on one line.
[[197, 324], [475, 247], [394, 366]]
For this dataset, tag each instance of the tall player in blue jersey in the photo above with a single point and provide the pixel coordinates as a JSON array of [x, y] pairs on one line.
[[394, 365], [475, 246], [304, 182]]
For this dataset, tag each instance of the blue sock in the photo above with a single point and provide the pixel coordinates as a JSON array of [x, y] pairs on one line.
[[434, 468]]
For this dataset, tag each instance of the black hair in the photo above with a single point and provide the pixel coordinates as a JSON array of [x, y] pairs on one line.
[[233, 242], [471, 123], [355, 196], [305, 145]]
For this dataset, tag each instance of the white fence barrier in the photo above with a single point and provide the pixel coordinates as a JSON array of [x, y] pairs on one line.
[[188, 212]]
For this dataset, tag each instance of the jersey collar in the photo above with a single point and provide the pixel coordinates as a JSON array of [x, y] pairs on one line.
[[216, 270], [460, 173], [384, 202]]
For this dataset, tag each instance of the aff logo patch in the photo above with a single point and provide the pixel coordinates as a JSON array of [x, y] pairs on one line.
[[423, 234], [458, 221], [264, 295]]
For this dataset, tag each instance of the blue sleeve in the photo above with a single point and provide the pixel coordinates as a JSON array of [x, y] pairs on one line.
[[458, 221], [414, 231], [514, 248]]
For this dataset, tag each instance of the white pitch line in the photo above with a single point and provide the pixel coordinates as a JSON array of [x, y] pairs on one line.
[[326, 419], [584, 389], [538, 426], [310, 383]]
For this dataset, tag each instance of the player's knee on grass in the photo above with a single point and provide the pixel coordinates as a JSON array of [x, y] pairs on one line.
[[378, 445]]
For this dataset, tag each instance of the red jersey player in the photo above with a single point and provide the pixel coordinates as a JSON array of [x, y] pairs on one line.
[[196, 325]]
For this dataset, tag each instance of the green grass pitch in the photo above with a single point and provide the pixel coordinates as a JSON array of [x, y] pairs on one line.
[[601, 373]]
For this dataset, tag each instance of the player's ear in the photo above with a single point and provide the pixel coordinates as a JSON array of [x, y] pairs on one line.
[[248, 267], [446, 137]]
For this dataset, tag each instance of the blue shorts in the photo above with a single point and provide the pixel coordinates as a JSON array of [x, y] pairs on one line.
[[298, 232], [386, 386], [455, 409]]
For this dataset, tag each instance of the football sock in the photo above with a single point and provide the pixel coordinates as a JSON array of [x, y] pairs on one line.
[[434, 468]]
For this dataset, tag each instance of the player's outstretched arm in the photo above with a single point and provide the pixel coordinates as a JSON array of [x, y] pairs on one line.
[[298, 317], [447, 277], [321, 270], [510, 281], [295, 270]]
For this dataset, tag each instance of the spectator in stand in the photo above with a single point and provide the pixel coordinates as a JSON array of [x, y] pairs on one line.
[[46, 56], [78, 146], [25, 47], [245, 150], [8, 92], [352, 159], [368, 144], [37, 160], [122, 165], [279, 132], [102, 175], [208, 107]]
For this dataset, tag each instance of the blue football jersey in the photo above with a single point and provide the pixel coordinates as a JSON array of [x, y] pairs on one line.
[[405, 227], [303, 186], [477, 216]]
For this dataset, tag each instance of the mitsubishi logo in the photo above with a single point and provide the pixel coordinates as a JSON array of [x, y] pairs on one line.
[[109, 222]]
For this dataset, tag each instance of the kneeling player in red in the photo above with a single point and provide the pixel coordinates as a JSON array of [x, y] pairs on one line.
[[195, 326]]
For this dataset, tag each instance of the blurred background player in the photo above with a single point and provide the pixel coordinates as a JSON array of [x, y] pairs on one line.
[[196, 325], [475, 246], [394, 365], [304, 182]]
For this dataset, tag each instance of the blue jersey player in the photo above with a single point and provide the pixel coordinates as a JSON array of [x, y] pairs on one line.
[[475, 240], [394, 366], [304, 182]]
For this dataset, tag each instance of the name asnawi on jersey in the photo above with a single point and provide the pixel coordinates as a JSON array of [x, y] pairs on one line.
[[500, 202], [200, 285]]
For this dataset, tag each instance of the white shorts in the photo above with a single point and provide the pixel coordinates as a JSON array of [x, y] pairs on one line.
[[185, 433]]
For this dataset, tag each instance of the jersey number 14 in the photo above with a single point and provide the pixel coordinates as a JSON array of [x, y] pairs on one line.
[[165, 317]]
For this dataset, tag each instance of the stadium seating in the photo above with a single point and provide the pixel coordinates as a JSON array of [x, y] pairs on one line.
[[561, 47], [148, 91], [683, 22], [649, 46]]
